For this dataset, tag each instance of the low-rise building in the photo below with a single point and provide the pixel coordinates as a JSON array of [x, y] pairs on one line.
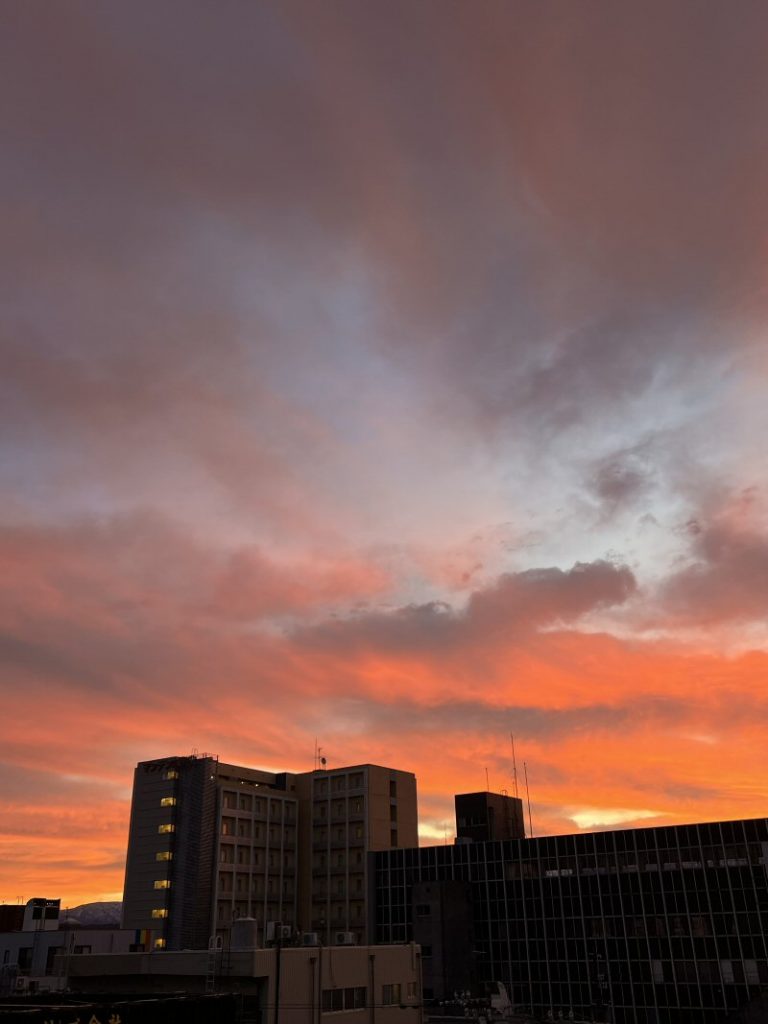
[[35, 949], [292, 985]]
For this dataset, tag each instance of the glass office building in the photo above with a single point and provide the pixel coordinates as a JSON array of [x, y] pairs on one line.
[[642, 925]]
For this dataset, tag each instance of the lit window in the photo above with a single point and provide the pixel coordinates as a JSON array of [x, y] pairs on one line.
[[165, 829], [162, 883], [159, 912], [164, 855], [159, 943], [171, 774], [168, 801]]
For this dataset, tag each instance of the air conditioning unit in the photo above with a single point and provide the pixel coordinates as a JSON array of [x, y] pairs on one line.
[[276, 931], [310, 939], [345, 939]]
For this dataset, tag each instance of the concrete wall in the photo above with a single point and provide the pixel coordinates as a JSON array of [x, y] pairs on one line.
[[33, 954], [305, 974]]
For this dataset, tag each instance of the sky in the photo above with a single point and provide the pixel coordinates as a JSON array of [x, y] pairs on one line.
[[389, 376]]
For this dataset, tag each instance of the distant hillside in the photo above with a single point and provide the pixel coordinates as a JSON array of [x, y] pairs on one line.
[[92, 915]]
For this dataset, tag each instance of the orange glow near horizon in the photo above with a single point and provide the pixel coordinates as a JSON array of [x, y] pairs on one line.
[[387, 374]]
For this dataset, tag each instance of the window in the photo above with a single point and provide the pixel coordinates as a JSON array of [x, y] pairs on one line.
[[393, 812], [159, 912], [426, 952], [168, 801], [162, 883], [159, 944], [390, 994], [171, 774], [393, 787], [82, 950], [410, 991], [165, 829], [164, 855], [393, 837], [336, 999]]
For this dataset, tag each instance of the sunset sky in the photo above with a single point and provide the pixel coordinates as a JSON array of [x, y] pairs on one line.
[[391, 373]]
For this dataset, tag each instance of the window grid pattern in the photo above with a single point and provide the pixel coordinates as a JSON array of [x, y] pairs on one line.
[[657, 924]]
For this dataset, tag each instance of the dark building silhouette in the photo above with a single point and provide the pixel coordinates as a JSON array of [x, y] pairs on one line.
[[643, 925], [486, 816]]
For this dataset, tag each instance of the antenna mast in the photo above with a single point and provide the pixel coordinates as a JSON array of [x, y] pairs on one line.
[[528, 796], [514, 763], [487, 783]]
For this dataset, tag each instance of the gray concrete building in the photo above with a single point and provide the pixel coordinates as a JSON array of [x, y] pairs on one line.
[[36, 947]]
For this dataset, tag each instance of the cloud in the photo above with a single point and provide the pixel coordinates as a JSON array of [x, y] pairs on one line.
[[348, 352], [727, 578], [516, 604]]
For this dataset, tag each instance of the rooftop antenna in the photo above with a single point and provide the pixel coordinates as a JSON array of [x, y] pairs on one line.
[[487, 783], [514, 763], [528, 797]]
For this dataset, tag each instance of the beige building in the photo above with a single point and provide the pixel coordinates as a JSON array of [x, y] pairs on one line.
[[347, 813], [212, 843], [297, 985]]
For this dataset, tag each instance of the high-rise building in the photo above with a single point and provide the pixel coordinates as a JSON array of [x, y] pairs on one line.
[[346, 813], [212, 843]]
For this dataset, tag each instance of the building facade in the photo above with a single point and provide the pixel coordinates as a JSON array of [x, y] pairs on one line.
[[296, 985], [212, 843], [348, 813], [36, 946], [643, 925]]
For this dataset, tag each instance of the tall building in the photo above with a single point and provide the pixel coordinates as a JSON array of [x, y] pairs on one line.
[[211, 843], [642, 925], [348, 812]]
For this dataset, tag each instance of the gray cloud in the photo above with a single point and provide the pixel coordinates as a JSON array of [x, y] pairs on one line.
[[728, 579], [516, 604]]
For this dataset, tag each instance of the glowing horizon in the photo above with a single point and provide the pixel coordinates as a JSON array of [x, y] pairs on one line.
[[388, 374]]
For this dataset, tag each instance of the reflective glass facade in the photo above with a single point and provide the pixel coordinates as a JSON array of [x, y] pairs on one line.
[[642, 925]]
